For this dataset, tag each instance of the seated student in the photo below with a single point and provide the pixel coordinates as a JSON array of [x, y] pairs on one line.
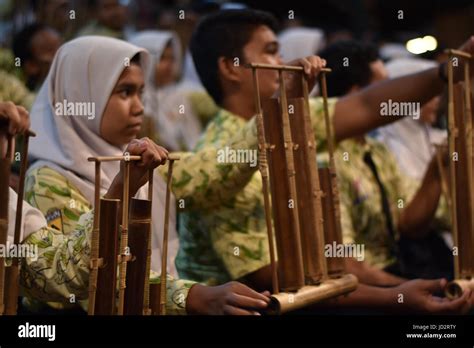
[[378, 202], [110, 19], [413, 141], [209, 237], [89, 106], [35, 45], [173, 122]]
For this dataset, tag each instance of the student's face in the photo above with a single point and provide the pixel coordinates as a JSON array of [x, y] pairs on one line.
[[43, 48], [112, 14], [122, 117], [165, 69], [262, 48]]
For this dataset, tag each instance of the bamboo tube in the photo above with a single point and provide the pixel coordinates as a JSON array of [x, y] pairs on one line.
[[308, 192], [12, 272], [139, 226], [124, 253], [94, 258], [443, 175], [164, 255], [451, 139], [337, 267], [310, 295], [456, 288], [146, 295], [105, 303], [263, 168]]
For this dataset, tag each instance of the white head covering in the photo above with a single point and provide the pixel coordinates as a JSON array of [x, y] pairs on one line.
[[155, 42], [300, 42], [32, 219], [411, 140], [86, 70], [177, 131]]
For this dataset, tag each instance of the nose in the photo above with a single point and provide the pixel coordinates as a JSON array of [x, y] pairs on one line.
[[137, 106]]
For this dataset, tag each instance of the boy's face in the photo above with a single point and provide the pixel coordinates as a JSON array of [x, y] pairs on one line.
[[262, 48], [122, 118]]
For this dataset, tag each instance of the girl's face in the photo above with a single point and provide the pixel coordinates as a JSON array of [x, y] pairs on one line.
[[123, 113], [165, 69]]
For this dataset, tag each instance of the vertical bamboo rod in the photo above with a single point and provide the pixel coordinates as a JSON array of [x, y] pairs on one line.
[[12, 272], [263, 168], [452, 167], [124, 238], [95, 242], [164, 254], [146, 295]]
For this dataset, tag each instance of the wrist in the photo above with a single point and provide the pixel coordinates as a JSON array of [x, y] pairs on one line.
[[196, 299]]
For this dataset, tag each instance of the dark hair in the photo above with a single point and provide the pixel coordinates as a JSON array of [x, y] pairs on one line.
[[356, 72], [224, 34], [22, 41]]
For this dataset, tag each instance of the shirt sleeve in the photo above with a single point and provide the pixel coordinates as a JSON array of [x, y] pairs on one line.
[[60, 202], [203, 182], [60, 270]]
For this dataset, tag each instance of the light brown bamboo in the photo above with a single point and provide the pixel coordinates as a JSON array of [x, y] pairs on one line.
[[164, 255], [263, 168], [12, 272], [332, 168], [285, 302], [456, 288], [452, 134], [146, 295], [125, 255], [94, 267]]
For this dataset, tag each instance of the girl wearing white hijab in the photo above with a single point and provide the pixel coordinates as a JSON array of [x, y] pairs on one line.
[[102, 74], [412, 141], [175, 125]]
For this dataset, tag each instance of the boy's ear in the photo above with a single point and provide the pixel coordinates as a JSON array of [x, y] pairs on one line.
[[228, 69]]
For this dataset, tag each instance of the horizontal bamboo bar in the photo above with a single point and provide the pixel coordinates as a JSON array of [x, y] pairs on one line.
[[279, 67], [285, 302], [458, 53], [456, 288], [171, 156], [114, 158]]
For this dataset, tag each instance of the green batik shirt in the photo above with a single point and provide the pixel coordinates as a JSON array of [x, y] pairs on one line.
[[60, 274], [12, 89], [228, 241], [362, 218]]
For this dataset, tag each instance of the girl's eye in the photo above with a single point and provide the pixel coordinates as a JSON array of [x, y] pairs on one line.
[[124, 93]]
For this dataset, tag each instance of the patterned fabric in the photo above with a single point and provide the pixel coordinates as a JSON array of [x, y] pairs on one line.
[[230, 240], [362, 218], [61, 272], [12, 89], [64, 247]]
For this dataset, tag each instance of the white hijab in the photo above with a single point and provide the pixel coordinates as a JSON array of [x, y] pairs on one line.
[[300, 42], [32, 219], [177, 131], [412, 141], [86, 70]]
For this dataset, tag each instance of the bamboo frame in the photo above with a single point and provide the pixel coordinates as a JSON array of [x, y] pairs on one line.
[[124, 256], [461, 200], [288, 141]]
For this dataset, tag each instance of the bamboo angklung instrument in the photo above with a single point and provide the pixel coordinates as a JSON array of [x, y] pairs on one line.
[[5, 164], [460, 141], [286, 137], [12, 272], [105, 254]]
